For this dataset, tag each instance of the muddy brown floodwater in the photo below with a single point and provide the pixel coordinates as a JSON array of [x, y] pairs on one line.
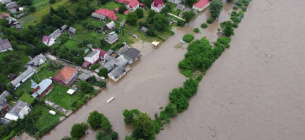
[[255, 90]]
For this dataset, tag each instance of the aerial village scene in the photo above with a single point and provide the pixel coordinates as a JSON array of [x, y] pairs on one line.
[[152, 69]]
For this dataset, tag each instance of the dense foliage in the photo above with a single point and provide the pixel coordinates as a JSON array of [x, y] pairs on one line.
[[132, 18], [78, 130], [196, 30], [215, 8], [85, 87], [188, 37], [95, 120]]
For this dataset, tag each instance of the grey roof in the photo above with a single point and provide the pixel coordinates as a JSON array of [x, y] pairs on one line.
[[18, 26], [133, 53], [101, 17], [84, 76], [5, 44], [11, 5], [13, 11], [72, 30], [20, 15], [110, 25], [3, 97], [64, 27], [5, 1], [17, 108], [43, 85], [92, 53], [55, 34], [122, 61], [107, 57], [180, 6], [5, 121], [110, 64], [112, 38], [144, 29], [12, 20], [118, 71], [22, 76], [123, 49], [38, 60]]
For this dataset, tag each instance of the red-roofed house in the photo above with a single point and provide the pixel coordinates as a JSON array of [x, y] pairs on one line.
[[157, 5], [116, 9], [201, 5], [133, 5], [66, 75], [126, 12], [108, 13], [102, 52]]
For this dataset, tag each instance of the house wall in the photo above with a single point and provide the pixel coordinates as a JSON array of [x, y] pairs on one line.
[[92, 59], [46, 91], [24, 111], [23, 80], [200, 9]]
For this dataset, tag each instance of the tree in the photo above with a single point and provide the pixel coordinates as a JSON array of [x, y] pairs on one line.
[[215, 8], [94, 120], [66, 138], [9, 97], [128, 116], [143, 127], [105, 123], [4, 23], [114, 135], [188, 16], [32, 9], [85, 87], [122, 9], [171, 110], [103, 72], [147, 3], [160, 22], [139, 12], [100, 135], [52, 1], [78, 130], [191, 2], [132, 18]]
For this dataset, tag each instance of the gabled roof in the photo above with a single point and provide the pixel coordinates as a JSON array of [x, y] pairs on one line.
[[110, 25], [43, 85], [16, 109], [117, 72], [133, 3], [157, 3], [84, 76], [46, 39], [4, 15], [72, 30], [123, 49], [3, 97], [92, 53], [55, 34], [11, 5], [201, 3], [5, 44], [144, 29], [64, 27], [22, 76], [95, 15], [102, 52], [5, 1], [12, 20], [110, 64], [38, 59], [107, 13], [133, 53], [65, 73], [126, 12], [112, 37]]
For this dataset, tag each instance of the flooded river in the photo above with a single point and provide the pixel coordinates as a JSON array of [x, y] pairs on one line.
[[255, 90]]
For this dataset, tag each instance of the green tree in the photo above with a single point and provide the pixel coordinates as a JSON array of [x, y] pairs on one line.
[[94, 120], [9, 97], [190, 2], [143, 127], [105, 123], [103, 72], [100, 135], [85, 87], [188, 16], [128, 116], [139, 12], [66, 138], [114, 135], [171, 110], [122, 9], [215, 8], [78, 130], [32, 9], [52, 1], [160, 22], [132, 18], [4, 23]]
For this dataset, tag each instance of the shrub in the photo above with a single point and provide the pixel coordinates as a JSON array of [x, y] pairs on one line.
[[105, 123], [235, 7], [196, 30], [188, 37], [95, 66], [238, 3], [224, 40], [235, 25], [101, 84], [100, 135], [103, 72], [85, 87], [114, 135], [210, 20], [180, 23], [78, 130], [204, 25], [244, 9]]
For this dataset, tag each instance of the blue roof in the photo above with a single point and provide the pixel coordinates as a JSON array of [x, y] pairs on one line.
[[44, 84]]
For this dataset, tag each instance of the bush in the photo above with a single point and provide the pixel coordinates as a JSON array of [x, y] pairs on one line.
[[235, 7], [78, 130], [94, 120], [103, 72], [196, 30], [95, 66], [235, 25], [114, 135], [105, 123], [85, 87], [225, 41], [244, 9], [204, 25], [101, 84], [180, 23], [188, 37], [100, 135], [210, 20], [238, 3]]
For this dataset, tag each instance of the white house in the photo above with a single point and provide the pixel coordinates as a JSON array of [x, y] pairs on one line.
[[133, 5], [93, 57], [50, 40], [18, 111], [175, 1], [157, 5], [201, 5]]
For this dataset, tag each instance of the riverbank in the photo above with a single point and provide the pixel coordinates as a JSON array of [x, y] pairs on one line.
[[255, 89]]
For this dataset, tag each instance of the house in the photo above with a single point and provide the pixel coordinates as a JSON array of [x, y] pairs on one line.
[[13, 11], [20, 15], [38, 60], [50, 40], [63, 28], [3, 102], [99, 17], [5, 1], [11, 5], [201, 5], [117, 73], [102, 53], [93, 57], [110, 64], [4, 15], [12, 21], [12, 76], [175, 1], [144, 29], [123, 49], [19, 27], [180, 7], [5, 45], [134, 54], [41, 89], [157, 5], [84, 77], [108, 13], [18, 111], [22, 77], [133, 5], [109, 26], [72, 30], [66, 75], [111, 38]]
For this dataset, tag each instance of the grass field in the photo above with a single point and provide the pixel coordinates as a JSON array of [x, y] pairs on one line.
[[46, 119]]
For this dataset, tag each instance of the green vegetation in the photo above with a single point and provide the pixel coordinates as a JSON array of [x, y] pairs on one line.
[[114, 135], [132, 19], [78, 130], [215, 8], [227, 28], [27, 98], [210, 20], [98, 120], [204, 25], [196, 30], [103, 72], [94, 120], [85, 87], [188, 37], [188, 16]]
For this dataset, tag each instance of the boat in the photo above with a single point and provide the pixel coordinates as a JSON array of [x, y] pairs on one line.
[[110, 99]]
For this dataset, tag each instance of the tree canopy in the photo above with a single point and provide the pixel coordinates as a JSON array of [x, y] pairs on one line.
[[132, 18], [78, 130], [95, 120], [215, 8], [143, 127]]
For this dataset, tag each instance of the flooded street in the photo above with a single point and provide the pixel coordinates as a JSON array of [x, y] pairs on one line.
[[255, 90]]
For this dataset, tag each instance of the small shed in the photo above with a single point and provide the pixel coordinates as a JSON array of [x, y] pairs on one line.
[[84, 77], [63, 28], [109, 26], [72, 30], [144, 29], [71, 91]]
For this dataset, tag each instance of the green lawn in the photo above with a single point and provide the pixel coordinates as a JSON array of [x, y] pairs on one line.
[[39, 3], [111, 5], [71, 44]]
